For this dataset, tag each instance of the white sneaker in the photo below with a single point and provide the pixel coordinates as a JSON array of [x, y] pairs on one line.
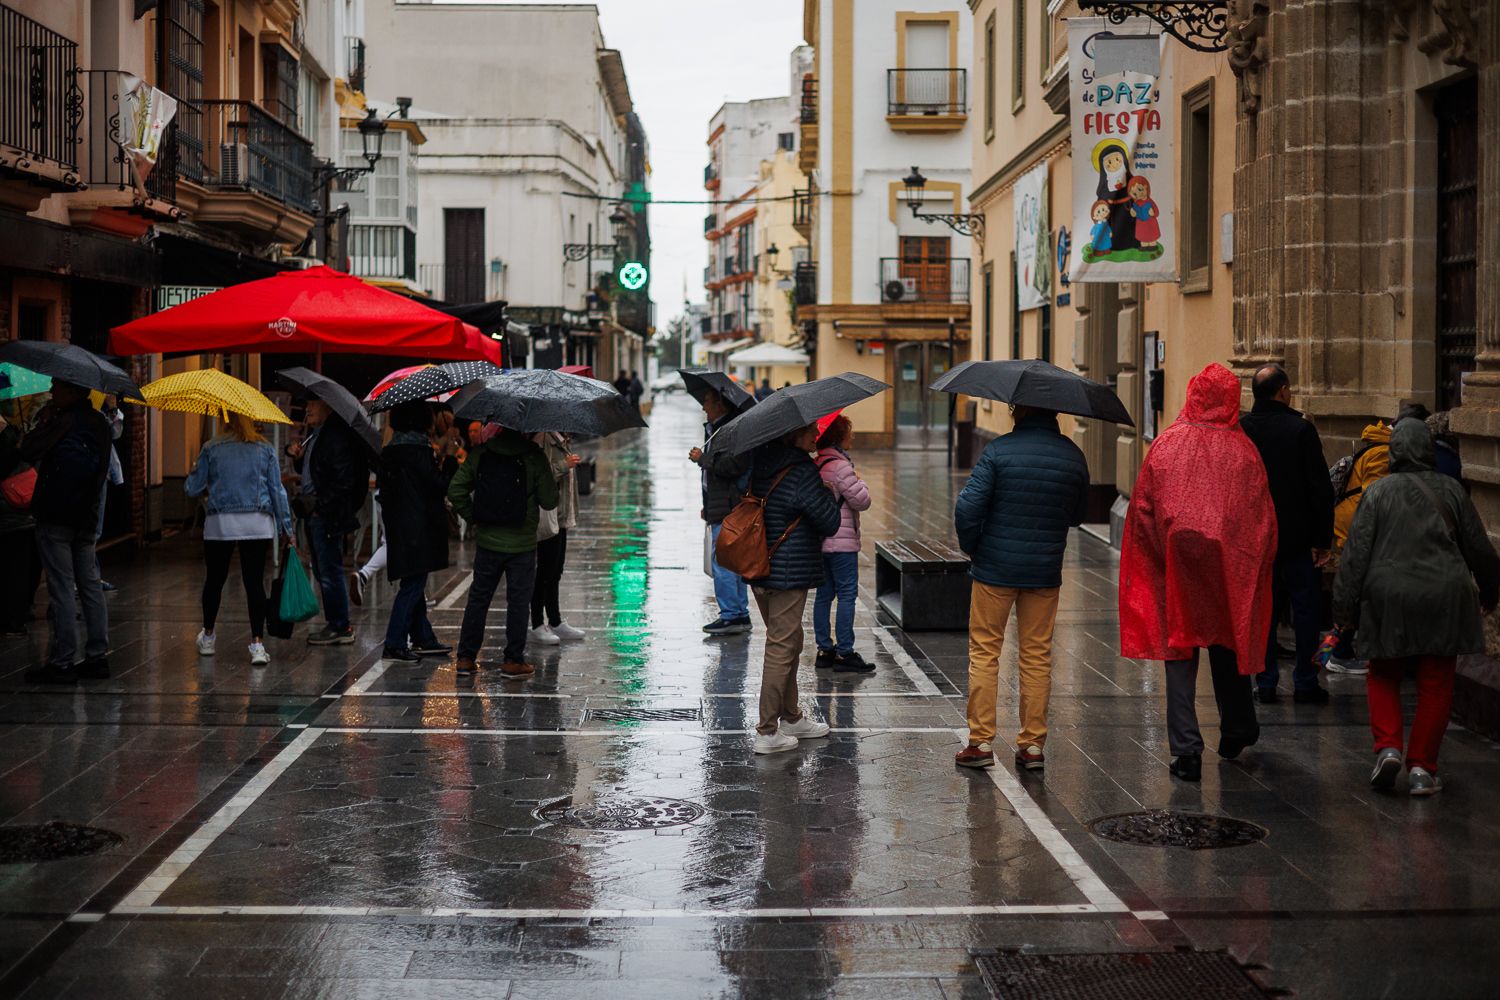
[[544, 636], [805, 728], [565, 631], [205, 643], [258, 655], [775, 743]]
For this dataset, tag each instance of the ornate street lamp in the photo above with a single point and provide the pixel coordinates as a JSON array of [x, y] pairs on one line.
[[619, 221], [772, 252], [963, 223], [371, 139], [1198, 24]]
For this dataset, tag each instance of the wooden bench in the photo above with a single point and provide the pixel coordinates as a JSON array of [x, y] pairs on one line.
[[923, 585]]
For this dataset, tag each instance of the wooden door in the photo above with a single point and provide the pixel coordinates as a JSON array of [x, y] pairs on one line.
[[926, 259], [1457, 238]]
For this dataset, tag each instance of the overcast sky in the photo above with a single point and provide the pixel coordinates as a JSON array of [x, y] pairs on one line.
[[684, 58]]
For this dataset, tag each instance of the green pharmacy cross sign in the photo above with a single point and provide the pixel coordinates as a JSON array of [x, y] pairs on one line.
[[633, 275]]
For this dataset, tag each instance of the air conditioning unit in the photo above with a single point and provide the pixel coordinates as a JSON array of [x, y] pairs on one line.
[[234, 164], [900, 290]]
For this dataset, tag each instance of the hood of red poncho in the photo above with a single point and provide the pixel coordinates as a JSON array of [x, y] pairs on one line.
[[1213, 397]]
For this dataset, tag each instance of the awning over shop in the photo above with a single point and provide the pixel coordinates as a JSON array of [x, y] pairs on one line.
[[767, 355], [724, 346]]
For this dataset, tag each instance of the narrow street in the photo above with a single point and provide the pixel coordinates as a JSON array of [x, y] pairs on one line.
[[334, 825]]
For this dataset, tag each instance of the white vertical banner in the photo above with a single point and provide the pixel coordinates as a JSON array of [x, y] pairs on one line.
[[145, 113], [1033, 257], [1123, 105]]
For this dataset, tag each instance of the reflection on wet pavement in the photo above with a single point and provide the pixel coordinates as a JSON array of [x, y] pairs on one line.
[[333, 825]]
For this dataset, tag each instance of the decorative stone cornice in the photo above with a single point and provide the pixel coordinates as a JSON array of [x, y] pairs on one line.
[[1452, 28]]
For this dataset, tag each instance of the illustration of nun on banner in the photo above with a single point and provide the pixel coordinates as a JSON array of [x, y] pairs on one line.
[[1126, 222]]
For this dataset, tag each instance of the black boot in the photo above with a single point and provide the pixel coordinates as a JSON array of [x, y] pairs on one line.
[[1230, 746], [1188, 767]]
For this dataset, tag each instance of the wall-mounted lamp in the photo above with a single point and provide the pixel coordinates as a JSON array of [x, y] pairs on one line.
[[963, 223]]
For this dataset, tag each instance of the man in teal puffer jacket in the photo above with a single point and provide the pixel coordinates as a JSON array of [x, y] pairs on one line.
[[1012, 520]]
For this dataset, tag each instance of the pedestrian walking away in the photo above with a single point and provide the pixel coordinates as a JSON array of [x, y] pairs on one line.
[[501, 490], [1415, 552], [764, 390], [70, 450], [841, 551], [1195, 567], [412, 492], [636, 389], [547, 625], [238, 474], [724, 478], [1302, 495], [1012, 519], [335, 480], [799, 514]]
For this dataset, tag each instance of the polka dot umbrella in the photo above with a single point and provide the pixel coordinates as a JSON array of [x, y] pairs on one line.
[[213, 393], [430, 382]]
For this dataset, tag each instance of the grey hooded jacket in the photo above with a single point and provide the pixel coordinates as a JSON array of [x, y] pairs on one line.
[[1405, 577]]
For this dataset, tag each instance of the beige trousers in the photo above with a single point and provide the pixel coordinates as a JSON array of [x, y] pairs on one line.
[[989, 611], [781, 610]]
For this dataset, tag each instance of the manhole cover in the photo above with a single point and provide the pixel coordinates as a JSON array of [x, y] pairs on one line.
[[1181, 975], [621, 813], [641, 715], [52, 840], [1166, 828]]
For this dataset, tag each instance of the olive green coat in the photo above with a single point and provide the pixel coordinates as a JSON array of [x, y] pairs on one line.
[[1406, 580]]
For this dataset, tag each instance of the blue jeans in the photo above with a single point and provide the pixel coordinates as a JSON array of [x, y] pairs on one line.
[[1297, 581], [409, 615], [67, 554], [328, 564], [842, 572], [729, 588]]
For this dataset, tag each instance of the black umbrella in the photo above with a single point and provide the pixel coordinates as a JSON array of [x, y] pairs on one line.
[[425, 383], [540, 399], [700, 382], [340, 400], [1036, 383], [71, 363], [792, 408]]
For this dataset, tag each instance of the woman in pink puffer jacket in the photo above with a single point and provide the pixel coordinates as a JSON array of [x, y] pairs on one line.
[[840, 551]]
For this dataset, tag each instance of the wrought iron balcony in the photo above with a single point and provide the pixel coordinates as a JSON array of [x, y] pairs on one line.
[[802, 210], [934, 93], [710, 223], [805, 283], [244, 146], [382, 251], [924, 280], [809, 110], [354, 63], [710, 176], [41, 103]]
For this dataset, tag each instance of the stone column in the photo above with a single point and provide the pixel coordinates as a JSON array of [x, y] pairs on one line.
[[1128, 445]]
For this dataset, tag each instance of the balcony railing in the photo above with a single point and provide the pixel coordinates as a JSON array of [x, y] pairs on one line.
[[929, 92], [41, 104], [709, 175], [382, 251], [805, 283], [809, 111], [103, 163], [244, 146], [802, 209], [926, 280], [354, 63], [461, 282], [710, 223]]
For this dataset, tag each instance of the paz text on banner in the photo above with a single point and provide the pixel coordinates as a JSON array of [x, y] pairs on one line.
[[1124, 162]]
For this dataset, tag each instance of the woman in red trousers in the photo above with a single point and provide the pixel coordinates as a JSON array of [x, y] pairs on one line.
[[1407, 579], [1195, 567]]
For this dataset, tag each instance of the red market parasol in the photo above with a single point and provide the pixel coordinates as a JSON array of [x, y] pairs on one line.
[[587, 371], [316, 310]]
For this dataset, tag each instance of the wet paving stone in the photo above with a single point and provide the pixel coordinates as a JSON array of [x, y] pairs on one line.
[[332, 825]]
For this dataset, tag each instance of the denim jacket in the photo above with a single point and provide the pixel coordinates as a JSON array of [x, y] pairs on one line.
[[240, 477]]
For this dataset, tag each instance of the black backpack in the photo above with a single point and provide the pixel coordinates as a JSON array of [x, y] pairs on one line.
[[501, 496]]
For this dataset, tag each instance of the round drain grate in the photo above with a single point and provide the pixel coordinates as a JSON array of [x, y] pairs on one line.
[[51, 841], [1165, 828], [621, 813]]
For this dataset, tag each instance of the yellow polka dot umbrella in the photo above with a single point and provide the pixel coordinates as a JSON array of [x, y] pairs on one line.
[[211, 392]]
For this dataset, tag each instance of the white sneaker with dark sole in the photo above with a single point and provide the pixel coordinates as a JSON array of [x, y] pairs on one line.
[[775, 743], [1387, 768], [1349, 665]]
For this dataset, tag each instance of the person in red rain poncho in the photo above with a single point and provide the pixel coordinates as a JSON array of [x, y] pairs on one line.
[[1195, 566]]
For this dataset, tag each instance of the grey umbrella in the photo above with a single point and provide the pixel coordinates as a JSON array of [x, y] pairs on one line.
[[435, 380], [1035, 383], [791, 409], [339, 400], [700, 382], [540, 399], [71, 363]]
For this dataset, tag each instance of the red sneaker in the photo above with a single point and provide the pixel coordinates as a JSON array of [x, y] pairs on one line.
[[975, 756]]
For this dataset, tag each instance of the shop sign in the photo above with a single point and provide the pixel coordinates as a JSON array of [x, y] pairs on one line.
[[168, 296], [1123, 101], [1033, 257]]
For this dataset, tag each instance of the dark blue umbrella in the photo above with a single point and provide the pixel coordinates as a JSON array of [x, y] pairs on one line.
[[700, 382], [71, 363], [540, 399], [792, 408]]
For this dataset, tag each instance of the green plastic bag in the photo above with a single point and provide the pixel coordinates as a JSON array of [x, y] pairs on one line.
[[298, 602]]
